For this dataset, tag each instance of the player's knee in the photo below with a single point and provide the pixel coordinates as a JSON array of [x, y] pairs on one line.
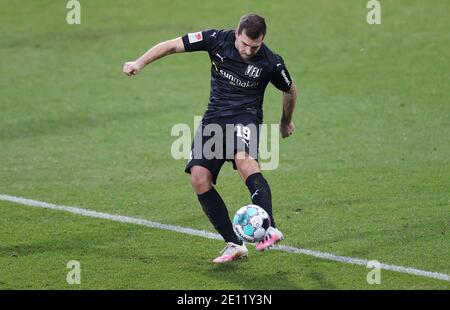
[[201, 180], [246, 166], [200, 183]]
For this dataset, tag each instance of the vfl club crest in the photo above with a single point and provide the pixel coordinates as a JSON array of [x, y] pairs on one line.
[[253, 71]]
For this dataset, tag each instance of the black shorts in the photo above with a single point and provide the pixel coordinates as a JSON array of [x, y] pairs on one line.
[[218, 140]]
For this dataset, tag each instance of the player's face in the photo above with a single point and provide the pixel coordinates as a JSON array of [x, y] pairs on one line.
[[247, 47]]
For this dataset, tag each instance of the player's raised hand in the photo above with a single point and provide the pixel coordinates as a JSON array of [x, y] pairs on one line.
[[286, 129], [131, 68]]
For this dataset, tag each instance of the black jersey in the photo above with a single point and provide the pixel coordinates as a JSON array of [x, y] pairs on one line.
[[237, 85]]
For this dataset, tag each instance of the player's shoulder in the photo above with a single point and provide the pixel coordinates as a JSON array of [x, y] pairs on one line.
[[270, 56], [217, 37], [223, 34]]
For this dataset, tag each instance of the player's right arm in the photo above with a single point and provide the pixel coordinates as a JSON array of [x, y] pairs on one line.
[[158, 51]]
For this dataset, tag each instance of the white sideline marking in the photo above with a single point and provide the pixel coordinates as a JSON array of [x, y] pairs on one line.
[[210, 235]]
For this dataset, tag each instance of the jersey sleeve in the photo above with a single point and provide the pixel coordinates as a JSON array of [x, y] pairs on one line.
[[279, 76], [200, 41]]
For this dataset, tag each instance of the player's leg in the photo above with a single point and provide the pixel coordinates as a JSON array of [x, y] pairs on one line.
[[217, 213], [212, 204], [204, 170], [245, 161], [260, 194], [246, 144], [201, 179], [250, 173]]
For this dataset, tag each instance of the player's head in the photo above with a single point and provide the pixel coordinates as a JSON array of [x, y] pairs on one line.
[[250, 35]]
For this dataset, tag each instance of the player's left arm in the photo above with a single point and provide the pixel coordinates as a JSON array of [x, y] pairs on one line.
[[282, 80], [289, 100]]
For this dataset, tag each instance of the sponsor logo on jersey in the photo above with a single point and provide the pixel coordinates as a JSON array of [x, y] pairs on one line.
[[253, 71], [238, 82], [195, 37]]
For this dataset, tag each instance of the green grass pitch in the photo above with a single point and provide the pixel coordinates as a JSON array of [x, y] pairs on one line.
[[365, 175]]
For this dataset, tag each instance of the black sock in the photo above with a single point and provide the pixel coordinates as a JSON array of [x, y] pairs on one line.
[[260, 193], [217, 213]]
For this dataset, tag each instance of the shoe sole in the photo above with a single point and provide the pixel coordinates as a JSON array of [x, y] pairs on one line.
[[268, 247], [233, 260]]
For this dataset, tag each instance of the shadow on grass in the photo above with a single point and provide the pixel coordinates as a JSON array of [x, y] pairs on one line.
[[250, 277]]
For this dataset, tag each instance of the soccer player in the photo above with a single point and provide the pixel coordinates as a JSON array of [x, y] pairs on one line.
[[242, 66]]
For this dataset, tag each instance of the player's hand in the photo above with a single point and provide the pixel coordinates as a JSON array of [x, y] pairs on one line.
[[131, 68], [286, 129]]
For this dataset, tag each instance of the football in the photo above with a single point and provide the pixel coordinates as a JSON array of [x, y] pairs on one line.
[[250, 223]]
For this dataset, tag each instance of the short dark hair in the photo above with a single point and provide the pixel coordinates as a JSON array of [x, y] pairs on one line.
[[254, 26]]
